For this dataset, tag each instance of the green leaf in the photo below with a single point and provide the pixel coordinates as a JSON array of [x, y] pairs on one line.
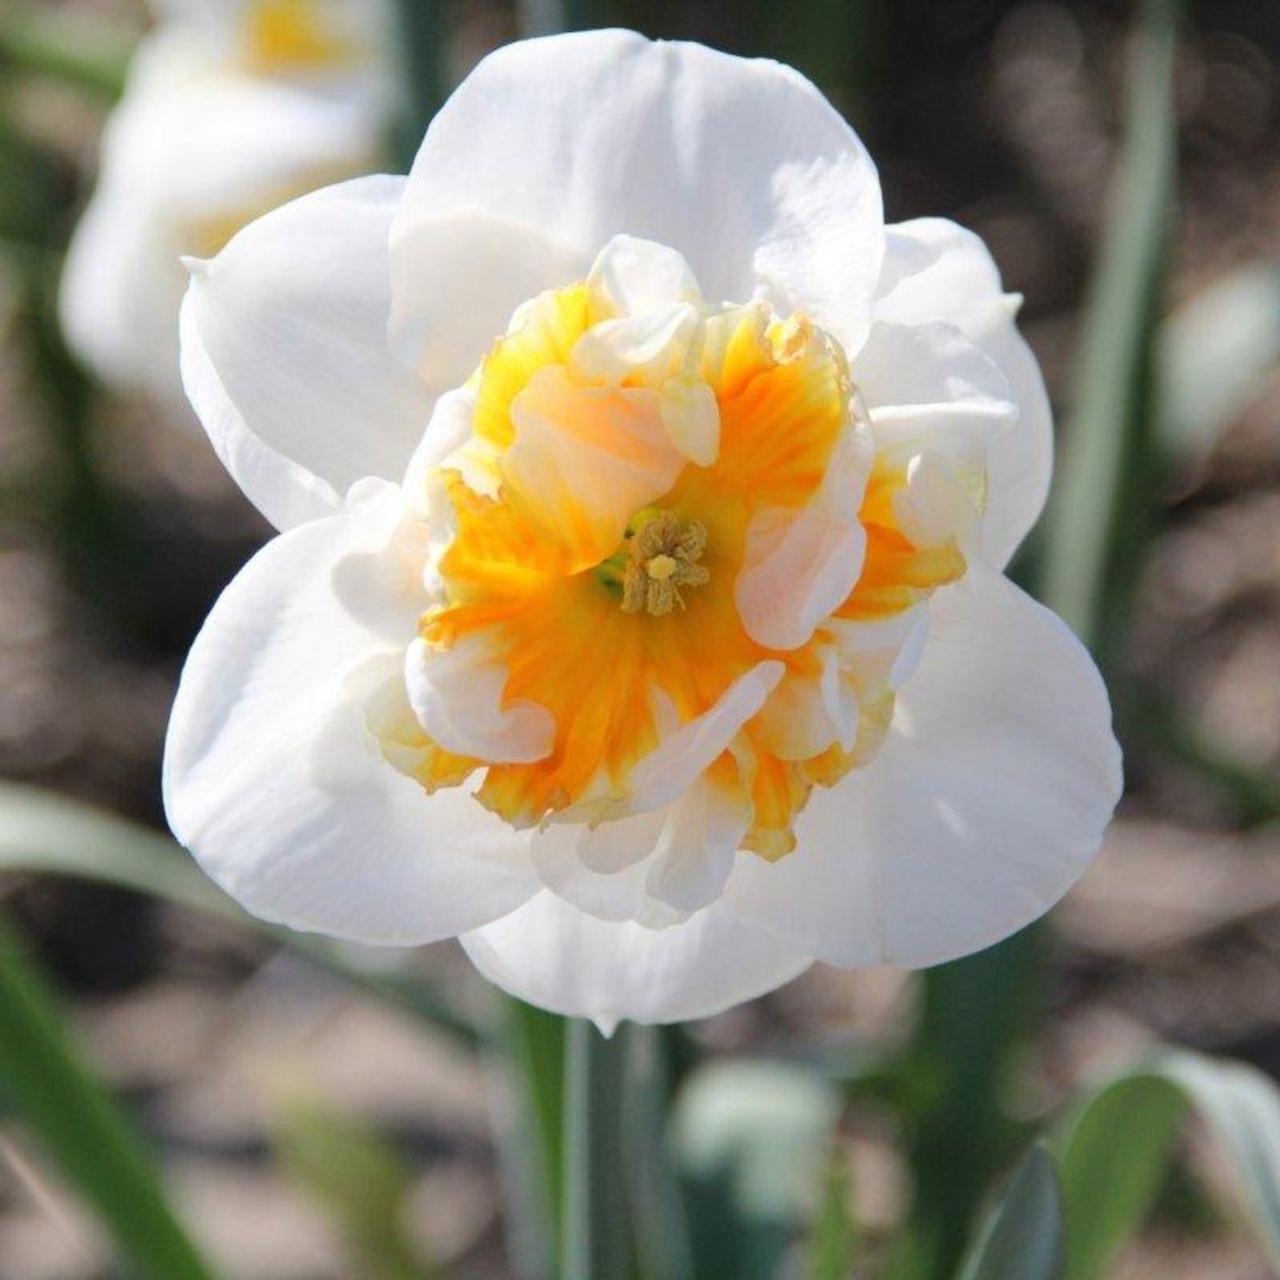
[[976, 1013], [1116, 1144], [1104, 489], [1023, 1236], [752, 1139], [1113, 1164], [1242, 1108], [45, 833], [81, 1126], [358, 1179], [65, 45], [832, 1242]]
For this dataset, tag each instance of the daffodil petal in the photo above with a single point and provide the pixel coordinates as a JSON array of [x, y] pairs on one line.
[[739, 165], [586, 458], [667, 771], [655, 867], [190, 149], [631, 277], [456, 282], [937, 270], [553, 954], [285, 355], [928, 387], [986, 802], [458, 696], [601, 869], [696, 847], [810, 711], [271, 779], [800, 564]]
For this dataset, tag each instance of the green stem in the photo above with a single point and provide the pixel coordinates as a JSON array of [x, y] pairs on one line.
[[596, 1240], [975, 1016], [535, 1043], [663, 1248]]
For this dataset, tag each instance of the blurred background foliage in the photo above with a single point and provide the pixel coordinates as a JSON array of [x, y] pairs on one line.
[[204, 1097]]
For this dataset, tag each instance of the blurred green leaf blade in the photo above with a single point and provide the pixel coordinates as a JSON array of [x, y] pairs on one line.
[[1242, 1108], [833, 1240], [1116, 1145], [1023, 1238], [1108, 1194], [358, 1179], [82, 1128], [64, 44], [46, 833], [977, 1012], [1098, 516]]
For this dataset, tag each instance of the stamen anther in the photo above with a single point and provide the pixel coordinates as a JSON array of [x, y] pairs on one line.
[[662, 557]]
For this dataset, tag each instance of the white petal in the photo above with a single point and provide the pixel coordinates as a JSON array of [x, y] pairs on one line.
[[670, 768], [616, 349], [458, 694], [188, 151], [285, 354], [929, 388], [602, 870], [633, 276], [121, 288], [985, 803], [695, 851], [799, 565], [741, 166], [457, 282], [556, 956], [691, 416], [655, 867], [934, 507], [807, 713], [271, 781], [936, 270], [881, 654]]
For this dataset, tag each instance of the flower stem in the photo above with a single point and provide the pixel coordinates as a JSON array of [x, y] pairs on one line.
[[596, 1239]]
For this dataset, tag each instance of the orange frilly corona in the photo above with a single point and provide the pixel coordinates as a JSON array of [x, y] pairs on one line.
[[653, 499]]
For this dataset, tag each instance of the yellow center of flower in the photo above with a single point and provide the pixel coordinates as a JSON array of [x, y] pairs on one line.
[[614, 578], [288, 36], [661, 554]]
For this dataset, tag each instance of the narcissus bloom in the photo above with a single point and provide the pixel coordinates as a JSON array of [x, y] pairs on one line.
[[232, 107], [638, 612]]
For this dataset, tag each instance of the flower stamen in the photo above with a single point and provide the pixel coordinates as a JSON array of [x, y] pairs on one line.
[[662, 557]]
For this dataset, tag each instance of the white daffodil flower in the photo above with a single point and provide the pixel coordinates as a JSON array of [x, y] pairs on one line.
[[638, 612], [232, 107]]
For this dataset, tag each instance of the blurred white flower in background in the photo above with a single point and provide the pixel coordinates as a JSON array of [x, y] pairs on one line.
[[676, 652], [231, 108]]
